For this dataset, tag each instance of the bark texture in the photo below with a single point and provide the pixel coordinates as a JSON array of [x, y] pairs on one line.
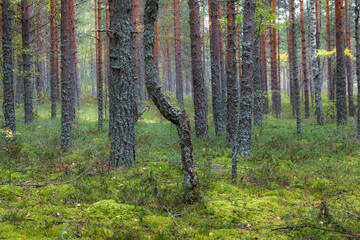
[[243, 145], [232, 91], [304, 60], [330, 71], [122, 151], [258, 114], [341, 110], [67, 72], [316, 74], [8, 77], [99, 66], [295, 68], [27, 38], [357, 39], [54, 75], [348, 62], [275, 83], [198, 81], [178, 58], [174, 115], [216, 89]]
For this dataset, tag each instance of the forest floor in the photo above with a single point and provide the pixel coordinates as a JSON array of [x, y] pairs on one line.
[[290, 188]]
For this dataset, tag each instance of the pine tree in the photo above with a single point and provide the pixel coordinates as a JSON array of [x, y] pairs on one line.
[[243, 145], [121, 79], [198, 81], [341, 110], [8, 77]]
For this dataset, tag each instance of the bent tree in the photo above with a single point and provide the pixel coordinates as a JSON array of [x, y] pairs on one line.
[[121, 80], [176, 116]]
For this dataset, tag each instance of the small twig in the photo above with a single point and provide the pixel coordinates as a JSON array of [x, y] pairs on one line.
[[353, 214], [319, 228]]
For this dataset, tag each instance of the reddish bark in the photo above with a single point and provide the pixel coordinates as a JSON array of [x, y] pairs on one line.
[[348, 62], [222, 61], [239, 48], [232, 92], [156, 47], [169, 62], [340, 65], [54, 77], [275, 84]]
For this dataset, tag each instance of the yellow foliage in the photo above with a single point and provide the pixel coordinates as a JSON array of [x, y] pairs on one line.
[[325, 53]]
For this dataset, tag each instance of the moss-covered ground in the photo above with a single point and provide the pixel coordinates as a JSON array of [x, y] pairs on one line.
[[290, 188]]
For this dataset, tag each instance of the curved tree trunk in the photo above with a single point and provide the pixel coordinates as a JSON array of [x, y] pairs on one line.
[[174, 115], [341, 110], [243, 145], [8, 77], [122, 150]]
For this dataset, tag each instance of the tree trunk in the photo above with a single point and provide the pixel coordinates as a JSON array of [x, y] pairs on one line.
[[8, 77], [348, 63], [26, 32], [204, 45], [357, 62], [232, 91], [295, 66], [238, 34], [19, 78], [122, 151], [243, 146], [304, 60], [178, 59], [275, 85], [217, 100], [341, 110], [99, 64], [222, 64], [67, 72], [169, 62], [330, 75], [39, 57], [174, 115], [315, 64], [164, 66], [198, 82], [77, 87], [53, 59], [263, 57], [258, 115], [91, 54]]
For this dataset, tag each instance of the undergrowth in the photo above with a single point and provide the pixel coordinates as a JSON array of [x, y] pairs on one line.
[[290, 188]]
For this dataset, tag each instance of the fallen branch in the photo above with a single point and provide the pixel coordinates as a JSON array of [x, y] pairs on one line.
[[43, 184], [353, 214], [314, 227]]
